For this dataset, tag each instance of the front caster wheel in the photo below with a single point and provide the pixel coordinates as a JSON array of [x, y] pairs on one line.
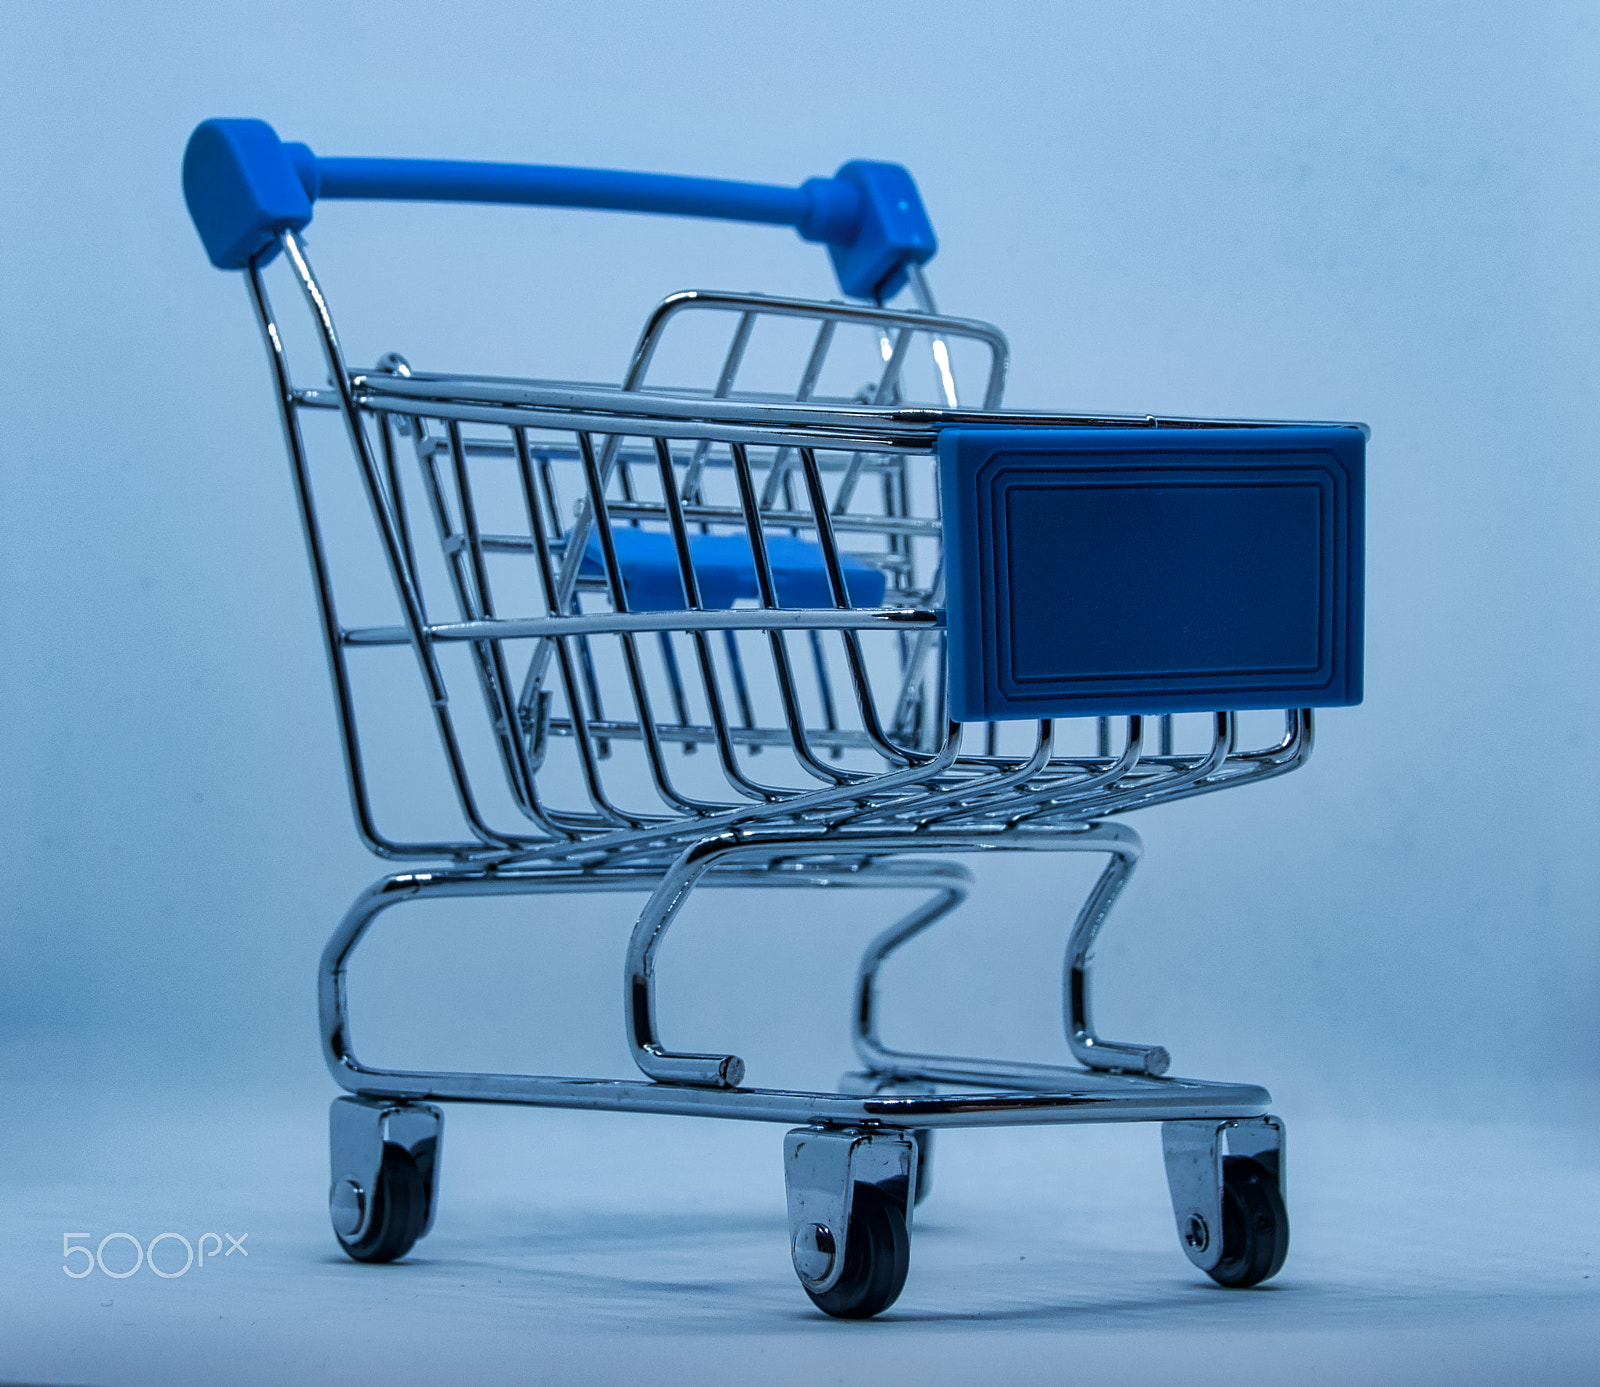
[[1255, 1224], [394, 1212], [877, 1252]]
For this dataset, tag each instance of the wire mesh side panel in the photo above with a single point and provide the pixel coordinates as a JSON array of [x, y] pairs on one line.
[[617, 729], [632, 626]]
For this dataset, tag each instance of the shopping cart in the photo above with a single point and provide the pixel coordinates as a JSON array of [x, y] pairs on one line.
[[818, 636]]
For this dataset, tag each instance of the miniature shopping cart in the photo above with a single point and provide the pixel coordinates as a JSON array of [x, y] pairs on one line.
[[822, 621]]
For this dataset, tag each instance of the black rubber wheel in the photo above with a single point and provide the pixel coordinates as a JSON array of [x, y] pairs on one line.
[[877, 1258], [399, 1207], [923, 1136], [1255, 1224]]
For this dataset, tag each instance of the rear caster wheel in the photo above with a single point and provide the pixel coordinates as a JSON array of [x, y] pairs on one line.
[[877, 1252], [394, 1212], [1255, 1224]]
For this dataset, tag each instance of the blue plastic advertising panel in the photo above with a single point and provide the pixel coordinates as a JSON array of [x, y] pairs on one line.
[[1152, 570]]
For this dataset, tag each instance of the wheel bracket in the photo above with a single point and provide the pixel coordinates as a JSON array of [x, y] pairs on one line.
[[1194, 1152], [358, 1130], [822, 1167]]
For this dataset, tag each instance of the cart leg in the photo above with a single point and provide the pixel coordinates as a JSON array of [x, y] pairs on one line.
[[1123, 848], [1227, 1183], [922, 1186], [953, 883], [652, 1057], [1087, 1047], [850, 1216], [385, 1169]]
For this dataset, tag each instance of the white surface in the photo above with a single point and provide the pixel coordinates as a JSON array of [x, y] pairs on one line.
[[595, 1248]]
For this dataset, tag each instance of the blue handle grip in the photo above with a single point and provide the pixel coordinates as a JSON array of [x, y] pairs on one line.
[[244, 187]]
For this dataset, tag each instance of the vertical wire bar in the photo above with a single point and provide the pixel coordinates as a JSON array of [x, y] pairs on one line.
[[941, 357], [941, 682], [625, 479], [830, 719], [923, 294], [779, 477], [783, 463], [896, 506], [450, 543], [397, 503], [327, 609], [588, 754], [741, 689], [572, 561], [888, 386], [591, 682], [780, 652], [680, 702], [630, 650], [489, 655], [909, 705], [866, 704], [730, 369], [528, 696], [911, 702], [819, 660], [547, 485], [675, 685], [405, 590], [573, 603], [726, 754]]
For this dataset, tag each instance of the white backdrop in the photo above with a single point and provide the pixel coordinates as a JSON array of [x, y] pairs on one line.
[[1368, 211]]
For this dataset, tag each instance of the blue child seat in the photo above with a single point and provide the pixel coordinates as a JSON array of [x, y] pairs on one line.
[[726, 572]]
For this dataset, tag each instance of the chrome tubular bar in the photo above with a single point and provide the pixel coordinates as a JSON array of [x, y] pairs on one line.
[[1015, 1093], [763, 848]]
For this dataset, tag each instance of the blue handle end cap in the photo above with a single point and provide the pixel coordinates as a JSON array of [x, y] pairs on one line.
[[244, 187], [888, 231]]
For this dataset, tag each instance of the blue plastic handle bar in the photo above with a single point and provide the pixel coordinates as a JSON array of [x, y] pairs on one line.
[[245, 186]]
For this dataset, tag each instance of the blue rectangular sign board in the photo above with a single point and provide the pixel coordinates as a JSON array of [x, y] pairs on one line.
[[1152, 570]]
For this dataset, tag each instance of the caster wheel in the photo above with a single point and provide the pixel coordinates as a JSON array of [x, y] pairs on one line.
[[1255, 1224], [923, 1136], [399, 1209], [877, 1258]]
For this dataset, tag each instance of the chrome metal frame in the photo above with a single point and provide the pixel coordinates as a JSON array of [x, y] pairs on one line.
[[708, 1085], [865, 774]]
